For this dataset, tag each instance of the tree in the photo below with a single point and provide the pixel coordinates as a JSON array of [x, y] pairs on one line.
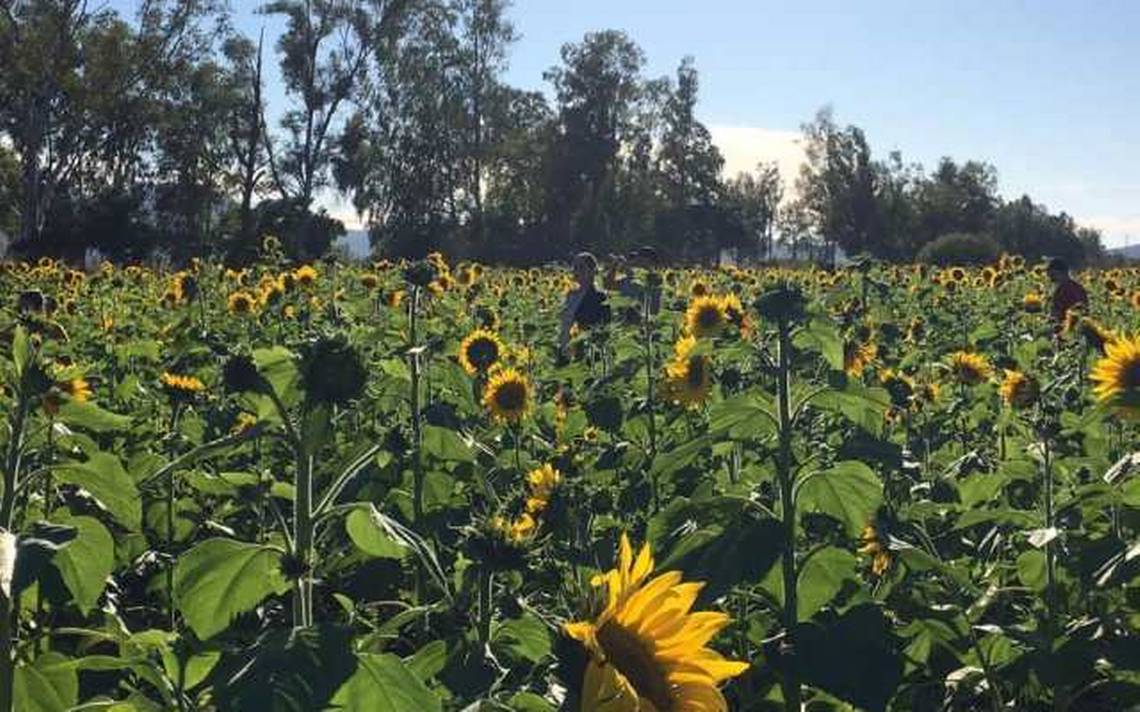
[[485, 36], [516, 182], [1026, 228], [401, 154], [40, 51], [9, 193], [324, 57], [598, 90], [689, 162], [246, 134], [755, 198], [795, 230], [955, 198], [836, 186]]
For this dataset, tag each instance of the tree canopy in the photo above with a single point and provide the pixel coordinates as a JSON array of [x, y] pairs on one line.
[[152, 133]]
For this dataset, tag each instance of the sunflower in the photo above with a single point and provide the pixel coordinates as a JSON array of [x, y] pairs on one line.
[[1032, 302], [481, 350], [75, 387], [705, 316], [857, 356], [241, 303], [443, 283], [899, 386], [874, 545], [181, 385], [507, 395], [698, 289], [734, 312], [647, 649], [916, 330], [243, 422], [369, 281], [1017, 389], [1116, 377], [305, 275], [1134, 299], [687, 377], [542, 481], [516, 530], [969, 368], [394, 298], [78, 389]]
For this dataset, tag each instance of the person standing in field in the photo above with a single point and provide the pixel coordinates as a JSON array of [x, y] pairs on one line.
[[586, 305], [1067, 294]]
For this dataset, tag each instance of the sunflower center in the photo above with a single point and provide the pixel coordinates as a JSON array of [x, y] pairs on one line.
[[633, 659], [482, 353], [696, 374], [709, 318], [1130, 376], [511, 396]]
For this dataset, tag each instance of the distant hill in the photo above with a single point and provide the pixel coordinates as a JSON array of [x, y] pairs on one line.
[[1131, 252]]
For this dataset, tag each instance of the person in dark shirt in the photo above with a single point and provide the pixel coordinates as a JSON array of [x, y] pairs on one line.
[[1068, 293], [586, 305]]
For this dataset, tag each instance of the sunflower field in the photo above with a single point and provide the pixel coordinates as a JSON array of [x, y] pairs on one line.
[[385, 487]]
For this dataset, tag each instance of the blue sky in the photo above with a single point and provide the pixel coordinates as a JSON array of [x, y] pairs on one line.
[[1047, 91]]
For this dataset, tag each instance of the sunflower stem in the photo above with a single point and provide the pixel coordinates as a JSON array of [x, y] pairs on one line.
[[647, 340], [486, 592], [174, 414], [303, 540], [1050, 553], [417, 459], [791, 683], [8, 612]]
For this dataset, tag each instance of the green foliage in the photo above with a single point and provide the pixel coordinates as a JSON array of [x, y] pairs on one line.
[[960, 249], [221, 578]]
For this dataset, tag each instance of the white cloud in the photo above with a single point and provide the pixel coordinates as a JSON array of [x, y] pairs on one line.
[[745, 146]]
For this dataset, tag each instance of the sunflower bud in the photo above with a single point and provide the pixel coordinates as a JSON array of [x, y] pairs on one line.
[[420, 273], [240, 375], [783, 303], [332, 372]]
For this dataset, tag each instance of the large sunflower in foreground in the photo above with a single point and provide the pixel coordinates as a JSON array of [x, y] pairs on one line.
[[1116, 377], [481, 350], [705, 316], [969, 368], [646, 648], [507, 395]]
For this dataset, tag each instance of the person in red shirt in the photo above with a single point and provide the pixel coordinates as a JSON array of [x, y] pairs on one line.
[[1068, 294]]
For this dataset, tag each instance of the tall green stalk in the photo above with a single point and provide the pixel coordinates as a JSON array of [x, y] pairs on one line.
[[650, 387], [170, 500], [785, 476], [8, 612], [303, 540], [414, 368]]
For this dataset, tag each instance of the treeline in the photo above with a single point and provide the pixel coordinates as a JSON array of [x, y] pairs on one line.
[[150, 133]]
